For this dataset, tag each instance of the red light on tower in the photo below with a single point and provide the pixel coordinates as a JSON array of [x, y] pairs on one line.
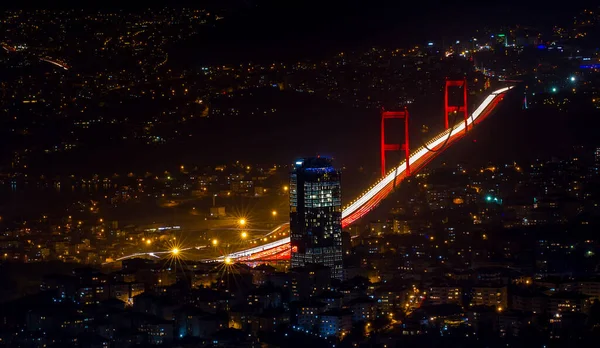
[[462, 109], [394, 147]]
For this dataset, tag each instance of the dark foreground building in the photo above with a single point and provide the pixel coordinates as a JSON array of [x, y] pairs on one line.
[[316, 214]]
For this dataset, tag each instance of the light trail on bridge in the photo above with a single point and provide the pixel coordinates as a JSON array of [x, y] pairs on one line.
[[380, 190], [281, 249], [371, 198]]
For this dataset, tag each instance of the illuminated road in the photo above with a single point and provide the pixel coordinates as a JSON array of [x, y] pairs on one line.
[[418, 159], [371, 198], [259, 251], [271, 248], [381, 189], [11, 49], [8, 48], [154, 254], [53, 62]]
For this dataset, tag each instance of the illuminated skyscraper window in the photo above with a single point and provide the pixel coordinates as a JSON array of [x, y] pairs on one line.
[[316, 214]]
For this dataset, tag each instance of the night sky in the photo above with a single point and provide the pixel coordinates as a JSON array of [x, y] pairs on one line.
[[270, 29], [354, 20], [262, 30]]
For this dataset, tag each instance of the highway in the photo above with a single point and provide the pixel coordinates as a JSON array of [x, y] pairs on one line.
[[376, 193], [53, 62], [11, 49], [381, 189], [372, 197], [258, 252], [244, 254]]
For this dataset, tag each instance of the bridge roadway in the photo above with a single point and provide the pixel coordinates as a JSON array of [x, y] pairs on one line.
[[381, 189], [280, 249]]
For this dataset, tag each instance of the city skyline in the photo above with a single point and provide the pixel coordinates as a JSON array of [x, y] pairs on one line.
[[339, 175]]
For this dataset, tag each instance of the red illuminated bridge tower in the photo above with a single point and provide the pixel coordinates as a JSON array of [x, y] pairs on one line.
[[394, 147], [454, 108]]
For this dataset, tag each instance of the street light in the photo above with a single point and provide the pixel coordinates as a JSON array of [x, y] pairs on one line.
[[175, 251], [242, 222], [228, 261], [215, 242], [244, 235], [285, 188], [274, 213]]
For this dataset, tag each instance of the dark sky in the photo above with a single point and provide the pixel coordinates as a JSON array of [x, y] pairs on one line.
[[327, 22], [357, 12], [299, 29]]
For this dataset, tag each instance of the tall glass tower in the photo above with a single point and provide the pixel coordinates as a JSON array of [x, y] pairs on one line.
[[316, 214]]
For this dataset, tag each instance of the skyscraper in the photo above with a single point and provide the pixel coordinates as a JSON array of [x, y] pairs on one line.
[[316, 214]]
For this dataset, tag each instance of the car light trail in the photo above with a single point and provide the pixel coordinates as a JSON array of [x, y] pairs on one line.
[[280, 249], [349, 211], [265, 247], [372, 197], [60, 65], [244, 253]]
